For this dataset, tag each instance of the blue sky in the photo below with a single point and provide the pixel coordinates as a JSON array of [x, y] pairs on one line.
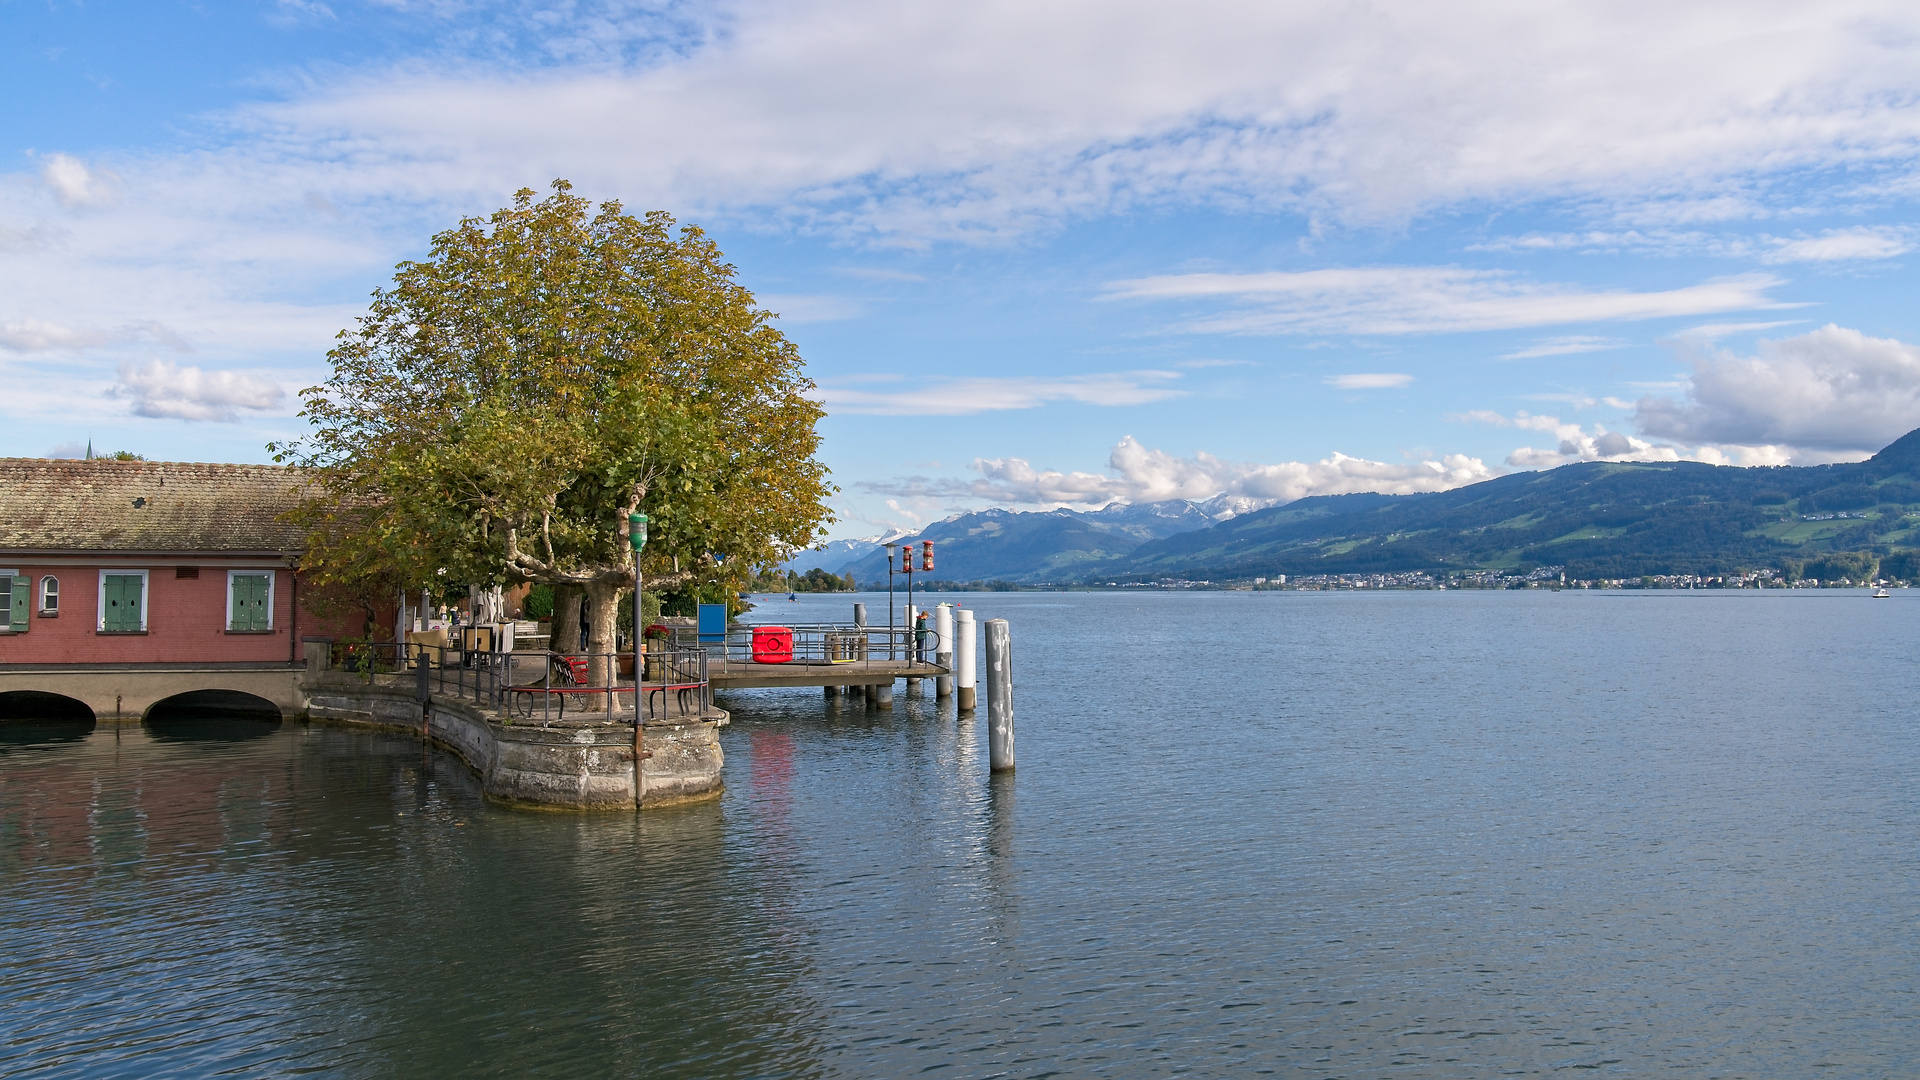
[[1035, 254]]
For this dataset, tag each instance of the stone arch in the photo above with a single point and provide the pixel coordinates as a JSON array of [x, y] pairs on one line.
[[212, 714], [35, 716]]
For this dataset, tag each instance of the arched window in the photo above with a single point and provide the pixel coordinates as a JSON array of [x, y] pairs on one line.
[[49, 595]]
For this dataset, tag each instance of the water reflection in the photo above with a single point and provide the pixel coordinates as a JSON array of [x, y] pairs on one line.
[[28, 734], [210, 729]]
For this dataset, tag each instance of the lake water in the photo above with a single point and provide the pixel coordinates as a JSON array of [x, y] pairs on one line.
[[1424, 834]]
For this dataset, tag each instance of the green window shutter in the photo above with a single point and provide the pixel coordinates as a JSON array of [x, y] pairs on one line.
[[17, 621], [123, 603], [257, 604], [250, 603]]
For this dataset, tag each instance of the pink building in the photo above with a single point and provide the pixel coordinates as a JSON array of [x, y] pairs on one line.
[[150, 563]]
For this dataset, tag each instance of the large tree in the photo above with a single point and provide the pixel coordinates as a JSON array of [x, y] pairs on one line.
[[544, 372]]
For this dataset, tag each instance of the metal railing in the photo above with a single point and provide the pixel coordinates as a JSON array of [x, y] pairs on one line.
[[540, 684], [830, 643]]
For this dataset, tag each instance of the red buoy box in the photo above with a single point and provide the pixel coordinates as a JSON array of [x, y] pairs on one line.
[[772, 644]]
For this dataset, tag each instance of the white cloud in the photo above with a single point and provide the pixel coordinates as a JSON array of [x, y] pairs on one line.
[[1837, 245], [1561, 346], [1366, 381], [33, 335], [67, 450], [1198, 364], [1574, 443], [162, 389], [960, 397], [1139, 474], [1716, 331], [1833, 390], [1417, 299], [74, 184], [907, 124], [31, 238], [1573, 401], [868, 117], [1859, 243], [867, 273], [913, 124]]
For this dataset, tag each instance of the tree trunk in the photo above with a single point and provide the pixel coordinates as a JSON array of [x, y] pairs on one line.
[[603, 609], [566, 619]]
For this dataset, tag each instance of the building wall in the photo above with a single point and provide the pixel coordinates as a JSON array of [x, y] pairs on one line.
[[186, 616]]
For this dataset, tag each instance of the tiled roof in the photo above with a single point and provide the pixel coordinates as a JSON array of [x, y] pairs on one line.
[[146, 506]]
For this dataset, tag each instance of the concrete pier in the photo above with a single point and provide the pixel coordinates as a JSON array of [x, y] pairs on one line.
[[880, 696], [570, 764]]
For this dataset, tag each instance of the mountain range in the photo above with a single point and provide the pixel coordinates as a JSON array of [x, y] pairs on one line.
[[1597, 519]]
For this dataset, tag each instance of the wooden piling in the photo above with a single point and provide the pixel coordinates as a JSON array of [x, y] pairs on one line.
[[999, 695]]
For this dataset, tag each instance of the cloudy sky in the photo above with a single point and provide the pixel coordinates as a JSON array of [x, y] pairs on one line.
[[1035, 253]]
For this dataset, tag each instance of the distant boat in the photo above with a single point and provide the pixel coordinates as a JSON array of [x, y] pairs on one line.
[[791, 599], [1881, 593]]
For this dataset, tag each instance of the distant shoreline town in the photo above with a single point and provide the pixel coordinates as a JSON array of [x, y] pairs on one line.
[[1546, 577]]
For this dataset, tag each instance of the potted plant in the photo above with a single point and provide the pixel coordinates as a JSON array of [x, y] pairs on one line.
[[657, 638]]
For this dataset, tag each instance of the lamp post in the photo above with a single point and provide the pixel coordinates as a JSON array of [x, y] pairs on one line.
[[637, 536], [890, 548], [906, 565]]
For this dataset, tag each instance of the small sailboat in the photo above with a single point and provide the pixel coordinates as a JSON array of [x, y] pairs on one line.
[[791, 599]]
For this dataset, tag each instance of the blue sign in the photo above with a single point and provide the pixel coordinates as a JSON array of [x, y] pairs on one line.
[[713, 623]]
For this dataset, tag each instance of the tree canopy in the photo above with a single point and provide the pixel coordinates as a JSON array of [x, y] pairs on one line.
[[542, 373]]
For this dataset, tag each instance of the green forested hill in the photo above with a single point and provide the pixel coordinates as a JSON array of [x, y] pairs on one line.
[[1599, 520]]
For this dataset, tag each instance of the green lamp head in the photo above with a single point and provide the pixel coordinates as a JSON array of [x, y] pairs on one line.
[[637, 530]]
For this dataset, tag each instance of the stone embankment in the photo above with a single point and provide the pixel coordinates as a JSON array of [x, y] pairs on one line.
[[568, 765]]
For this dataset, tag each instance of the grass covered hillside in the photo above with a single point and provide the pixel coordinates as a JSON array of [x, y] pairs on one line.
[[1598, 519]]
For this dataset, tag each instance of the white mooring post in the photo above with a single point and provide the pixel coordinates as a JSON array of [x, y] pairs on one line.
[[963, 651], [943, 649], [999, 695], [860, 628]]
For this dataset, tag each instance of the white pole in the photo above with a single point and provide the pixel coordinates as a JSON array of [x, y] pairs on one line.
[[999, 695], [943, 649], [963, 652]]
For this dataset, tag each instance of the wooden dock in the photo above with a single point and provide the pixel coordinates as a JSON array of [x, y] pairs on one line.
[[744, 674]]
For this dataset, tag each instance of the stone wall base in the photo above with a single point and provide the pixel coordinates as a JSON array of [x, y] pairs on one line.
[[567, 766]]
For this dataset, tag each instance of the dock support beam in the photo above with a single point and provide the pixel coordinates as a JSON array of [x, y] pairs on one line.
[[1000, 695], [963, 646], [880, 696]]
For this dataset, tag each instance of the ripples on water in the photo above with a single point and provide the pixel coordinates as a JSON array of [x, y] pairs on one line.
[[1427, 834]]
